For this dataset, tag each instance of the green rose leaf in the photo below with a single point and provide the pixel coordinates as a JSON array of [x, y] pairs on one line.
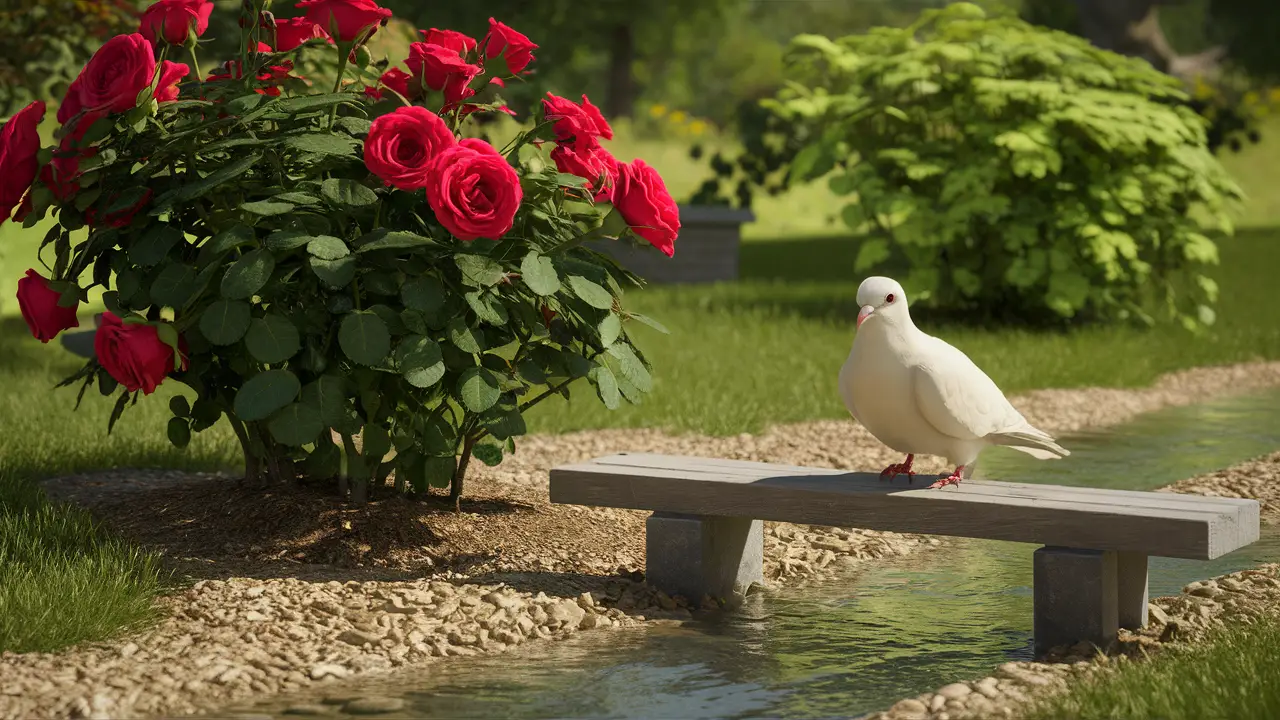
[[323, 143], [154, 245], [479, 271], [272, 339], [224, 242], [225, 321], [425, 294], [438, 471], [335, 273], [420, 361], [539, 274], [248, 275], [296, 425], [179, 430], [327, 247], [478, 389], [347, 193], [606, 386], [173, 286], [364, 338], [384, 239], [591, 293], [266, 208], [328, 395], [610, 329], [465, 337], [264, 394]]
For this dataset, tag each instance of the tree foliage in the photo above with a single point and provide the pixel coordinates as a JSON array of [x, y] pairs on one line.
[[1020, 172]]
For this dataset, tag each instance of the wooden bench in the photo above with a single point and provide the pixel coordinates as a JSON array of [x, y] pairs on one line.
[[706, 537]]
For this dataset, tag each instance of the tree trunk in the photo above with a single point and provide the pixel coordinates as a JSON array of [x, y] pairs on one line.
[[622, 54]]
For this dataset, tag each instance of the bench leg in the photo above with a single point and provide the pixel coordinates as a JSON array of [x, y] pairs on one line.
[[1131, 589], [693, 555], [1075, 597]]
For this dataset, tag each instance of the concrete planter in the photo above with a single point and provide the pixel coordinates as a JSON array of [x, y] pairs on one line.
[[706, 250]]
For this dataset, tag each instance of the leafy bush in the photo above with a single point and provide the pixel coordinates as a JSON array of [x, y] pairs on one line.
[[322, 265], [1020, 172]]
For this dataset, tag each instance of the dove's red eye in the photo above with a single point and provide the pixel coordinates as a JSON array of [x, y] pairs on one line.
[[888, 298]]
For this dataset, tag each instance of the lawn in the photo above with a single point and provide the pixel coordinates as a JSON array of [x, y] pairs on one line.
[[1233, 676]]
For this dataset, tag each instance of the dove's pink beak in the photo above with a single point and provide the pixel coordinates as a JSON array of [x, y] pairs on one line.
[[864, 313]]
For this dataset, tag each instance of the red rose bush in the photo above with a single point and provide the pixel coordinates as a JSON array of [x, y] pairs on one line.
[[320, 258]]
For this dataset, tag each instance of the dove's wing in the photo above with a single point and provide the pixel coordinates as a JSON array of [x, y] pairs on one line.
[[957, 398]]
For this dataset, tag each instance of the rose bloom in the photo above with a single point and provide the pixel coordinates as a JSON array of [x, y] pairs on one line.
[[19, 145], [474, 191], [116, 73], [295, 31], [642, 198], [512, 46], [345, 20], [403, 144], [39, 305], [174, 20], [133, 354], [451, 39], [595, 164]]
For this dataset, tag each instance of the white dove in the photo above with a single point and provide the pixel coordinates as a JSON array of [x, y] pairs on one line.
[[921, 396]]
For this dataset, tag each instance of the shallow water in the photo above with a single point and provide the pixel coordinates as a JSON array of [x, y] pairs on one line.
[[857, 643]]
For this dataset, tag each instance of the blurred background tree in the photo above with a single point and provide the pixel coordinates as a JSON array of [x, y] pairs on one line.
[[46, 42]]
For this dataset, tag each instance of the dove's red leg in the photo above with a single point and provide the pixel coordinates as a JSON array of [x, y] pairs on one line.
[[903, 468], [952, 479]]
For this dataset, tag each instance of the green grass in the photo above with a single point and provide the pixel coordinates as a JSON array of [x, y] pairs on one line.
[[1233, 676], [62, 578]]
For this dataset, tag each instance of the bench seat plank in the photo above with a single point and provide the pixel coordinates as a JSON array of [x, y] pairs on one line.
[[1149, 523]]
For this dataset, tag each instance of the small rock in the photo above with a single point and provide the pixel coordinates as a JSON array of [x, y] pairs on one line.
[[373, 706], [909, 709], [954, 691], [324, 670], [1156, 614]]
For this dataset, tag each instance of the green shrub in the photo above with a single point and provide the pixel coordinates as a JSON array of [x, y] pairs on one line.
[[1021, 173]]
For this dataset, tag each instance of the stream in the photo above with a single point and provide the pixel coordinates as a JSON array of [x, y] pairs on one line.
[[856, 643]]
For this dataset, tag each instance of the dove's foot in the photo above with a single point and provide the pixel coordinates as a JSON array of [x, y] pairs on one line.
[[903, 468], [952, 479]]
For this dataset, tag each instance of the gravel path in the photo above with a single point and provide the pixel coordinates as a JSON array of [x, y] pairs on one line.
[[302, 590]]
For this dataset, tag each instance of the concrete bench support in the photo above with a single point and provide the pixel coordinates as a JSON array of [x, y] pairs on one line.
[[1074, 597], [694, 555]]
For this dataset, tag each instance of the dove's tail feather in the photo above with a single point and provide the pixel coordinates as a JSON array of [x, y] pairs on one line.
[[1036, 443]]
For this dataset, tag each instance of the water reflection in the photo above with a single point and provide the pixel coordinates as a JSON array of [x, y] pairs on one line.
[[856, 644]]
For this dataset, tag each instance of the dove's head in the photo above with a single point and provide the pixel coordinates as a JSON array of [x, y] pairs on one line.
[[883, 298]]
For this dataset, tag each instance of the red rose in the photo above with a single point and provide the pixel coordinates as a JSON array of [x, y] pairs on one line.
[[39, 305], [173, 21], [62, 172], [393, 79], [119, 218], [116, 73], [19, 144], [170, 74], [346, 20], [402, 145], [579, 124], [295, 31], [642, 198], [595, 164], [440, 68], [133, 354], [474, 191], [451, 39], [511, 45]]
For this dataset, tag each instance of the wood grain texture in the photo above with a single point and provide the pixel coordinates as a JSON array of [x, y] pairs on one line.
[[1149, 523]]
